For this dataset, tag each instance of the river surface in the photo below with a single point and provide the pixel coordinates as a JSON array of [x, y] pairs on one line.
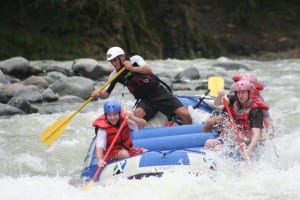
[[31, 171]]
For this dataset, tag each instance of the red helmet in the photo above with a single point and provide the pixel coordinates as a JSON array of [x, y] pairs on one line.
[[249, 77], [259, 86], [236, 78], [242, 85]]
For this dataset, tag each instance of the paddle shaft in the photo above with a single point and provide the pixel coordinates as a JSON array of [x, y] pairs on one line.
[[99, 90], [201, 99], [57, 128], [110, 148]]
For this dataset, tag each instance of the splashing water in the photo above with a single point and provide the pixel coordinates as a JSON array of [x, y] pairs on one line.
[[30, 170]]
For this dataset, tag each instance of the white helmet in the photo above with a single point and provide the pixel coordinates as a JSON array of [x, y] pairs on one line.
[[114, 52], [137, 60]]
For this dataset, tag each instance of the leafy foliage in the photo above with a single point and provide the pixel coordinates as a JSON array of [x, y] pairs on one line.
[[67, 29]]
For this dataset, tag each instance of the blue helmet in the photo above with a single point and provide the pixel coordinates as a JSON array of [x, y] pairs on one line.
[[112, 106]]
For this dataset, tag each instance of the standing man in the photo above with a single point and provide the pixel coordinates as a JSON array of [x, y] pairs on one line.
[[151, 95]]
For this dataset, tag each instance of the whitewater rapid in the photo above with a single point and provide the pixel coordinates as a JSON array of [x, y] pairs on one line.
[[29, 170]]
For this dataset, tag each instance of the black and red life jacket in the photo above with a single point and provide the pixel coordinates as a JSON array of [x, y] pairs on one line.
[[139, 85], [241, 117]]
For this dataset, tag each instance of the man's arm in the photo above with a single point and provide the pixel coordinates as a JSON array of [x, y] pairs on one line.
[[140, 122], [106, 92], [219, 99], [100, 146], [256, 134], [143, 69], [101, 95], [256, 124]]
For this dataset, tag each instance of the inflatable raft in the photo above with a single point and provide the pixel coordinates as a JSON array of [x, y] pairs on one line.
[[169, 149]]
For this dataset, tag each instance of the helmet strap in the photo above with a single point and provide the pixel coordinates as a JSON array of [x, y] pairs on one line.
[[117, 124], [120, 62]]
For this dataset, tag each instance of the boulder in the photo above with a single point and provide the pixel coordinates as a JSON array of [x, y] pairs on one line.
[[71, 99], [49, 95], [19, 67], [88, 68], [37, 81], [3, 78], [54, 76], [21, 104], [9, 110], [10, 89], [75, 85], [187, 75], [55, 66], [31, 93]]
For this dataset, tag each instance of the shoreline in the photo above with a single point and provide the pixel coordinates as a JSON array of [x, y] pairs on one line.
[[269, 55]]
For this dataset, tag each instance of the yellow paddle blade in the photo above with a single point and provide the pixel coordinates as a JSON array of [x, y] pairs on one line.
[[215, 84], [55, 130], [88, 186]]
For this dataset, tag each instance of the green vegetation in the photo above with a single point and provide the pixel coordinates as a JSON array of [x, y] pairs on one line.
[[68, 29]]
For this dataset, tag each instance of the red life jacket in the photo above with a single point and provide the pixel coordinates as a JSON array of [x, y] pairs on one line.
[[123, 141], [260, 103], [242, 118]]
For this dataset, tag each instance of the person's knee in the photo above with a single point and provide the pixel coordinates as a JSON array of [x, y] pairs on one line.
[[184, 114], [208, 144], [123, 154], [209, 124], [211, 143], [206, 128], [139, 112]]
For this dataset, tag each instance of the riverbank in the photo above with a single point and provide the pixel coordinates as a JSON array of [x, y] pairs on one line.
[[194, 29], [270, 56]]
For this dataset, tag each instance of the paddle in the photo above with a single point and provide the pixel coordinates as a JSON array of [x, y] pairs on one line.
[[56, 129], [236, 131], [91, 183], [215, 84], [201, 99]]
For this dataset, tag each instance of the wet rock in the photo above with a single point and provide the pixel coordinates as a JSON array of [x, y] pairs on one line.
[[9, 110], [11, 89], [89, 68], [71, 99], [19, 67], [3, 97], [30, 93], [78, 86], [55, 76], [3, 78], [49, 95], [54, 66], [187, 75], [21, 104], [37, 81]]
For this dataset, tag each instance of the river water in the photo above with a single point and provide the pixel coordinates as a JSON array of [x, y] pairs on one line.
[[29, 170]]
